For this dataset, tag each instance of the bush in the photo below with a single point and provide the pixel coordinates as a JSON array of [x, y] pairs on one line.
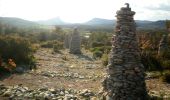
[[150, 62], [105, 59], [97, 54], [97, 44], [57, 47], [97, 49], [165, 64], [50, 44], [102, 49], [166, 77], [16, 48]]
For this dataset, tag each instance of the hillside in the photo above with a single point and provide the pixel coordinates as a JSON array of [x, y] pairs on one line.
[[53, 21], [95, 23], [17, 22]]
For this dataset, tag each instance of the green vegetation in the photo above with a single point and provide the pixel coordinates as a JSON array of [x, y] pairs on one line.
[[57, 47], [166, 77], [104, 59], [16, 48]]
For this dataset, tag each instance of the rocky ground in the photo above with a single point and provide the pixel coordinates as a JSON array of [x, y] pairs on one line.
[[64, 76], [58, 75]]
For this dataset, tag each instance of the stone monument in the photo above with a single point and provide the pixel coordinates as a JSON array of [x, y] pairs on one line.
[[125, 78], [75, 42], [163, 46], [67, 41]]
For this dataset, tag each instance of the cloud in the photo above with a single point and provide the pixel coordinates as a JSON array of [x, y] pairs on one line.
[[163, 7]]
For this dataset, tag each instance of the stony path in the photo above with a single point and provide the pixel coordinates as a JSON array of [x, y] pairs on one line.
[[80, 73]]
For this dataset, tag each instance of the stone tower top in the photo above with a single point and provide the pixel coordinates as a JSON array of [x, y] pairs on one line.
[[125, 10], [75, 31]]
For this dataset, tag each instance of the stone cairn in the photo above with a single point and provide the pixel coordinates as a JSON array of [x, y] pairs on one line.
[[163, 46], [75, 42], [125, 78], [67, 41]]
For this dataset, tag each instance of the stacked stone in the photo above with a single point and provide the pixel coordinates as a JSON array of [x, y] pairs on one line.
[[125, 74], [163, 46], [66, 41], [75, 42]]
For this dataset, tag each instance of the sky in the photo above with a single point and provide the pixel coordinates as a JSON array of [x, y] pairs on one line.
[[77, 11]]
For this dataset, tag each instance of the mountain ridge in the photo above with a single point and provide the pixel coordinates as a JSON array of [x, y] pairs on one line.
[[95, 22]]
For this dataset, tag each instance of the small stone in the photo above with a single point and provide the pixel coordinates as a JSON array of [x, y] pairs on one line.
[[7, 93], [61, 93]]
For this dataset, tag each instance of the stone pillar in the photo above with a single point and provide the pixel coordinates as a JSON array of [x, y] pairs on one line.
[[163, 46], [75, 42], [67, 41], [125, 74]]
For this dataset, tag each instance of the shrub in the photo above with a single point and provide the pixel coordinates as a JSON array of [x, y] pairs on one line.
[[57, 47], [102, 49], [165, 64], [97, 49], [50, 44], [97, 44], [97, 54], [166, 77], [16, 48], [150, 62], [105, 59]]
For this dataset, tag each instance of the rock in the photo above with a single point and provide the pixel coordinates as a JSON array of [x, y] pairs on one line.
[[19, 70], [86, 93], [52, 90], [62, 93], [23, 93], [67, 41], [75, 42], [125, 73], [7, 93], [43, 89], [70, 97], [81, 77]]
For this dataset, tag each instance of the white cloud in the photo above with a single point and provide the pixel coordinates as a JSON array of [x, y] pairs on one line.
[[82, 10]]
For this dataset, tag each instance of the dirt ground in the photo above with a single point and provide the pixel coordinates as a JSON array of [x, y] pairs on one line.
[[64, 70]]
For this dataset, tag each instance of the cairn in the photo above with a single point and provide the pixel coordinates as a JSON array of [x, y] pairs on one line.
[[75, 42], [125, 74], [163, 46], [66, 41]]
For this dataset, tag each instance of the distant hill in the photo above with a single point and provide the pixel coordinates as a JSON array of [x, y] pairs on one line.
[[95, 23], [17, 22], [151, 24], [53, 21], [100, 21], [141, 24]]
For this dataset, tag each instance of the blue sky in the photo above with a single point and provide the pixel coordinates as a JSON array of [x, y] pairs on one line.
[[83, 10]]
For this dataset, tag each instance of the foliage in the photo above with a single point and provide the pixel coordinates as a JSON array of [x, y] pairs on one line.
[[150, 62], [168, 25], [57, 47], [102, 49], [52, 44], [149, 43], [165, 64], [16, 48], [104, 59], [97, 54], [98, 39], [166, 77], [97, 44]]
